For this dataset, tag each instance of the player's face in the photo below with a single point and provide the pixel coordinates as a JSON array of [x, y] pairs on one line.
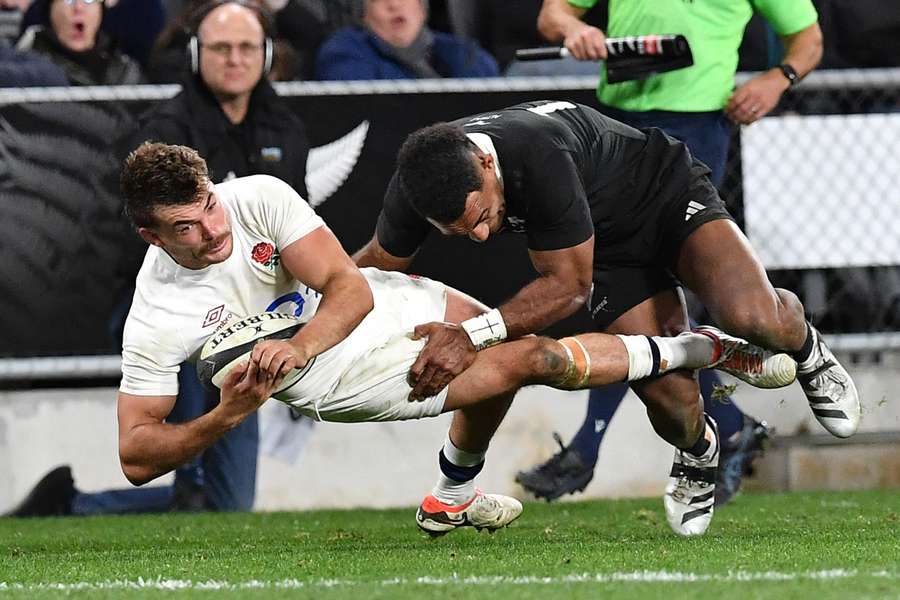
[[485, 207], [232, 52], [75, 23], [195, 235], [397, 22]]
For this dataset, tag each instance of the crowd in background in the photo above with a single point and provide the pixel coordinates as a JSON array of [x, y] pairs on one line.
[[98, 42]]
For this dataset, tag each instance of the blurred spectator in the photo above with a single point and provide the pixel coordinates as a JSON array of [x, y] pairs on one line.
[[70, 36], [229, 112], [27, 69], [394, 43], [297, 33], [133, 24]]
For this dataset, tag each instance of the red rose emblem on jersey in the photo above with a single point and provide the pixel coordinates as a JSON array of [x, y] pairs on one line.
[[262, 252]]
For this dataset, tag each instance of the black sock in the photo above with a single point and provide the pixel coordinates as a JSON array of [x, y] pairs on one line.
[[803, 353], [700, 446]]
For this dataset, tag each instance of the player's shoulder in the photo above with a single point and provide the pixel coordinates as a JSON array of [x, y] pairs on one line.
[[253, 185], [255, 192]]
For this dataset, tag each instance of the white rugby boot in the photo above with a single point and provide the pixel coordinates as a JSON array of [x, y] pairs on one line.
[[751, 364], [483, 511], [691, 493], [830, 390]]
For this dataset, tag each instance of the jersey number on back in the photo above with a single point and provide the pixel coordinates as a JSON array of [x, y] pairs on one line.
[[550, 107]]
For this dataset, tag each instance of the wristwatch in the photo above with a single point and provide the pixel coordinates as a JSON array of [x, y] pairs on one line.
[[790, 73]]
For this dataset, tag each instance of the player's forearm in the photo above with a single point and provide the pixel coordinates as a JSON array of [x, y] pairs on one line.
[[153, 449], [346, 300], [803, 50], [558, 19], [373, 255], [542, 303]]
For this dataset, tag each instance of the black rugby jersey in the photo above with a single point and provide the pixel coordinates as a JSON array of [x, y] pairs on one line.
[[568, 171]]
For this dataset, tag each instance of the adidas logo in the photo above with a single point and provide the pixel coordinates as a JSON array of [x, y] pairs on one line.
[[692, 209]]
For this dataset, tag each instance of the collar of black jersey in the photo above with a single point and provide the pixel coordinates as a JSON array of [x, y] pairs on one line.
[[266, 108]]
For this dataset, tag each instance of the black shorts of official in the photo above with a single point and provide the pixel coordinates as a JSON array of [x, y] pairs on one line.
[[640, 266]]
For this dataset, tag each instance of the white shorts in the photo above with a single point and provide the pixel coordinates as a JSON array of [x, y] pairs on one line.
[[364, 378]]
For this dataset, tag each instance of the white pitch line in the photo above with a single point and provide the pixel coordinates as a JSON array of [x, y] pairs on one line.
[[454, 579]]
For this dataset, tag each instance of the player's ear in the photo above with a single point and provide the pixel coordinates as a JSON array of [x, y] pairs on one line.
[[487, 160], [149, 236]]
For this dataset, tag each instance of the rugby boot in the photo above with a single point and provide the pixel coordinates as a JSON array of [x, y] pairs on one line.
[[690, 494], [830, 391], [737, 456], [483, 511], [566, 472], [751, 364], [51, 496]]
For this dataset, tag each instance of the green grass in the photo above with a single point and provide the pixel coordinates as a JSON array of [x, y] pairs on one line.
[[822, 545]]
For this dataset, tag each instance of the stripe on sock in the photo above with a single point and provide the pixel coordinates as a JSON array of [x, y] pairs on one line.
[[456, 472], [654, 352]]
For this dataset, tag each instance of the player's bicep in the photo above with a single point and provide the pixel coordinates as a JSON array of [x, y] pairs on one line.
[[571, 266], [316, 258]]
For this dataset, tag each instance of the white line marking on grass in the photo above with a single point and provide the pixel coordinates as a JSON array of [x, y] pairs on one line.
[[454, 579]]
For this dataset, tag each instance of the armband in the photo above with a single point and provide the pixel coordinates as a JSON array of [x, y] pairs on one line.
[[486, 329]]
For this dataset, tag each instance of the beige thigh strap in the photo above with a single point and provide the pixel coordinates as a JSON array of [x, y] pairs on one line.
[[578, 370]]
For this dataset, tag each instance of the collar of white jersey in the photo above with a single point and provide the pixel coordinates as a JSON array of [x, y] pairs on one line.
[[486, 144]]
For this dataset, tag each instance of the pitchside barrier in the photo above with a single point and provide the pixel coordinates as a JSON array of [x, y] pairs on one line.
[[816, 186]]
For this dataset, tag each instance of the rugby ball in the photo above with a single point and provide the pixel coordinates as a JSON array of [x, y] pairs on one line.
[[232, 345]]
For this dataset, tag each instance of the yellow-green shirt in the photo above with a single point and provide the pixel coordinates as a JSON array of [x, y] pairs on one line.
[[714, 29]]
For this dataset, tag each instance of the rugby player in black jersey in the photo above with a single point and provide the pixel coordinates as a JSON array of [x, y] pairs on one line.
[[618, 219]]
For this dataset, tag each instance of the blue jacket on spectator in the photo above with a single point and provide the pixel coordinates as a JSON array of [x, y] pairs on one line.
[[354, 54], [26, 69]]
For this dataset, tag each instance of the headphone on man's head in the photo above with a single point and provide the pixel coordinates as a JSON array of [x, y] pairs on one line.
[[201, 13]]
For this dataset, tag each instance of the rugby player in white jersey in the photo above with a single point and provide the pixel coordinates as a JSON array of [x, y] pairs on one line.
[[223, 252]]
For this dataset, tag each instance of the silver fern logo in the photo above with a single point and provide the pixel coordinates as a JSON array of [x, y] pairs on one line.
[[328, 166]]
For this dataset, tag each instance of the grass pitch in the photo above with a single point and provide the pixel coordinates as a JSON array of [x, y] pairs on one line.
[[822, 545]]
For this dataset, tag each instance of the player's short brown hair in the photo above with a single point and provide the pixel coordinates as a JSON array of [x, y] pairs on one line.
[[157, 174]]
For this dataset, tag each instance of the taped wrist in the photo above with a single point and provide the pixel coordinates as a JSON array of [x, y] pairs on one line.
[[486, 329], [578, 365]]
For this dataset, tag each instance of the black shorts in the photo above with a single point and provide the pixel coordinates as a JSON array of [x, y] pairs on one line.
[[634, 269]]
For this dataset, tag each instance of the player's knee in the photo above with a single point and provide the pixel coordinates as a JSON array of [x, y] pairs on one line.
[[752, 324], [545, 360]]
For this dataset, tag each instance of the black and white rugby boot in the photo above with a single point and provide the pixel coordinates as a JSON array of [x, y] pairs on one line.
[[690, 494], [829, 389]]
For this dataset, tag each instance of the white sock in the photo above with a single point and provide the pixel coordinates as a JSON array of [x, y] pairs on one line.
[[655, 355], [450, 491], [684, 351]]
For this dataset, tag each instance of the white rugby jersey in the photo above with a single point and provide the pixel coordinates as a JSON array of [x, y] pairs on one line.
[[176, 309]]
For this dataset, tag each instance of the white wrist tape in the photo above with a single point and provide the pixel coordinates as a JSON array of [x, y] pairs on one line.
[[486, 329]]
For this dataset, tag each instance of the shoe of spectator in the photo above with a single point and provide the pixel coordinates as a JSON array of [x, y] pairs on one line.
[[483, 511], [690, 494], [566, 472], [830, 391], [51, 496], [737, 456]]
